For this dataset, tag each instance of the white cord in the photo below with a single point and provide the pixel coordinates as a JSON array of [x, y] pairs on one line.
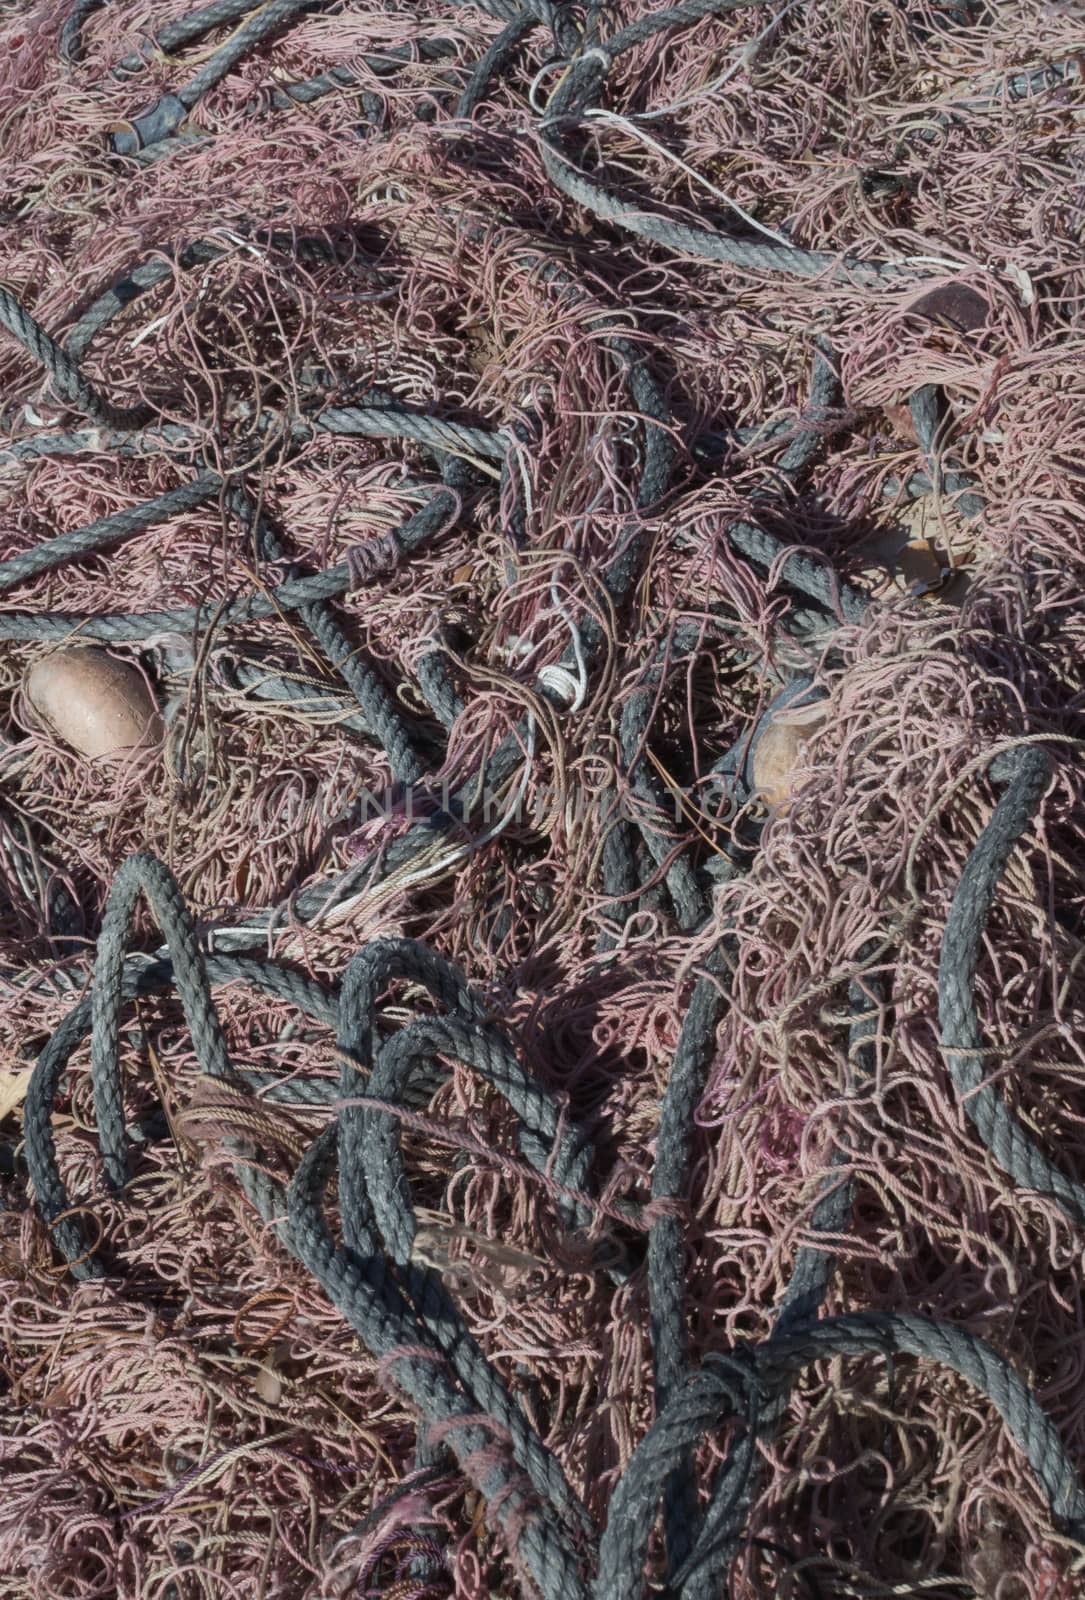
[[669, 155], [560, 681], [574, 690]]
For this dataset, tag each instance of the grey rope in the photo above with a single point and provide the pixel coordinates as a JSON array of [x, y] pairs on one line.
[[689, 902], [144, 875], [619, 867], [799, 569], [380, 710], [166, 437], [377, 422], [816, 418], [582, 84], [736, 1481], [68, 382], [167, 115], [437, 687], [147, 274], [619, 872], [292, 595], [666, 1244], [1026, 771], [803, 572], [373, 1190], [736, 1385], [308, 697], [557, 15], [504, 46], [384, 422], [115, 981], [139, 976], [929, 416], [185, 31], [71, 37], [363, 1290], [108, 531]]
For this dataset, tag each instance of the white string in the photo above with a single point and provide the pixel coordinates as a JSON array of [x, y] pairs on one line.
[[669, 155], [560, 681], [337, 911], [547, 66], [580, 682]]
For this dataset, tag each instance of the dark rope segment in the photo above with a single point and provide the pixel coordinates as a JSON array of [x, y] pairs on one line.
[[337, 580], [799, 570], [352, 663], [169, 113], [383, 422], [71, 35], [186, 30], [579, 89], [68, 382], [165, 438], [370, 1300], [370, 1188], [363, 1287], [373, 1187], [138, 976], [734, 1386], [1026, 772], [817, 416], [107, 531], [307, 91], [497, 56], [930, 415], [815, 1263], [619, 866], [666, 1243], [386, 422], [556, 15], [143, 875], [308, 248], [438, 690], [736, 1483], [689, 901], [310, 698]]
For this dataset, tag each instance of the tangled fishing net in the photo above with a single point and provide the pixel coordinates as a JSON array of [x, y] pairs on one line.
[[534, 397]]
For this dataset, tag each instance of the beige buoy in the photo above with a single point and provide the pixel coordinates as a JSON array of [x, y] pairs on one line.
[[774, 756], [96, 704]]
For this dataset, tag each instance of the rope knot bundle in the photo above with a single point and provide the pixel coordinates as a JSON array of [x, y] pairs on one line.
[[372, 558]]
